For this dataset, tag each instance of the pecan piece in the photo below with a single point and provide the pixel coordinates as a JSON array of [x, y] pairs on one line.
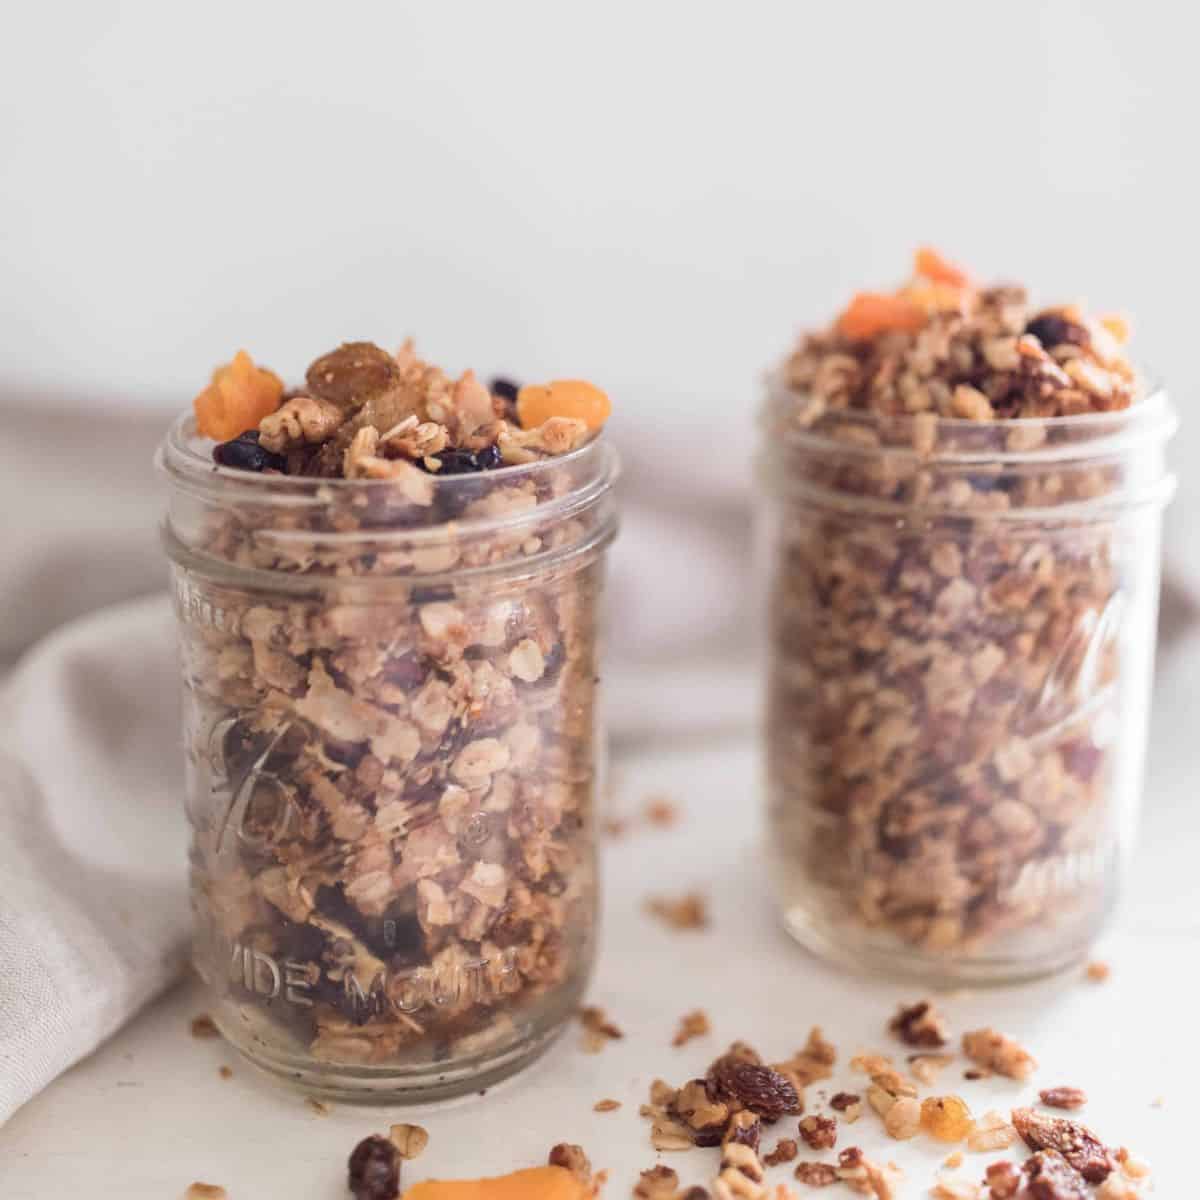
[[1050, 1177], [1075, 1142], [1063, 1097]]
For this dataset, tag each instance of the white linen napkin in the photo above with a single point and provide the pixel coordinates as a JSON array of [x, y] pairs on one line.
[[93, 906]]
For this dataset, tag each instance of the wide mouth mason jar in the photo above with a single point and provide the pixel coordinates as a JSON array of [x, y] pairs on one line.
[[391, 726], [960, 641]]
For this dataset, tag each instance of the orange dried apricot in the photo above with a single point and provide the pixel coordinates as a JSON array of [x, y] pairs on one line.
[[872, 313], [535, 1183], [576, 398], [929, 264], [238, 397], [937, 297], [946, 1118]]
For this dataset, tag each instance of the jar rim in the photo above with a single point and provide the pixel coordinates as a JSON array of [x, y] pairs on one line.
[[1091, 435]]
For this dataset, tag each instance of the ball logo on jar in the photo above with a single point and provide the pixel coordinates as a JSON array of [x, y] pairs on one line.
[[262, 809]]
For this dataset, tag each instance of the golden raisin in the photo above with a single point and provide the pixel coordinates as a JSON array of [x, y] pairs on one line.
[[575, 398], [946, 1118], [238, 397]]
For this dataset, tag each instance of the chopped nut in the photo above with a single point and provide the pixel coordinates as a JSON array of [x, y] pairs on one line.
[[598, 1029], [956, 1189], [661, 811], [317, 1106], [811, 1063], [841, 1101], [691, 1025], [1003, 1180], [1075, 1142], [1063, 1097], [998, 1052], [205, 1191], [1048, 1176], [410, 1140], [920, 1024], [658, 1183], [902, 1119], [927, 1067], [819, 1133], [572, 1157], [785, 1150], [606, 1106], [816, 1174], [991, 1132], [666, 1134]]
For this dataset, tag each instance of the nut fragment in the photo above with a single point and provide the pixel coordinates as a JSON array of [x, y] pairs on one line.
[[658, 1183], [819, 1133], [606, 1106], [785, 1150], [1075, 1142], [816, 1174], [410, 1140], [1063, 1097], [920, 1024], [687, 912], [902, 1119], [205, 1191], [691, 1025], [991, 1132], [1048, 1176], [1003, 1180], [998, 1052]]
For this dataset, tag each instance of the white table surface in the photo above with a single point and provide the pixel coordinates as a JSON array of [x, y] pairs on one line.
[[148, 1113]]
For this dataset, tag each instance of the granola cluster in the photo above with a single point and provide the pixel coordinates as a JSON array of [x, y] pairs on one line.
[[391, 708], [946, 648]]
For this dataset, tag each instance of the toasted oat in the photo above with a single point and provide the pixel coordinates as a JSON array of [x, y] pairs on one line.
[[813, 1062], [691, 1025], [956, 1189], [953, 1159], [658, 1183], [668, 1134], [991, 1132], [785, 1150], [317, 1106], [410, 1140], [206, 1191], [1098, 972], [606, 1106], [927, 1067], [661, 811], [998, 1052], [204, 1027], [920, 1024], [686, 912], [1063, 1097]]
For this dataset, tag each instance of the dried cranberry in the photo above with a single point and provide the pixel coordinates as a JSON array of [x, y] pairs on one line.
[[245, 454], [375, 1170], [1053, 329]]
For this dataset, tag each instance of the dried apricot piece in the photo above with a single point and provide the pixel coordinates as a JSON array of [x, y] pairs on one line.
[[873, 313], [238, 397], [535, 1183], [575, 398], [930, 264], [946, 1118], [937, 297]]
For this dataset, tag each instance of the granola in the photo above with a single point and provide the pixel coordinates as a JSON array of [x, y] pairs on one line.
[[388, 598], [944, 735], [998, 1052]]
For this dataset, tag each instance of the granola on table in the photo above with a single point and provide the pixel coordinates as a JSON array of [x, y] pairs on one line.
[[950, 659], [388, 597]]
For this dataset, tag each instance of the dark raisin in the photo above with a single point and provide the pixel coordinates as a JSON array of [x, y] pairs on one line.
[[504, 388], [1053, 329], [1050, 1177], [1076, 1143], [758, 1088], [375, 1170], [465, 462], [245, 454]]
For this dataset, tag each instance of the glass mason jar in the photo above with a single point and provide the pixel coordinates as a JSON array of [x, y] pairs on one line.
[[393, 759], [960, 640]]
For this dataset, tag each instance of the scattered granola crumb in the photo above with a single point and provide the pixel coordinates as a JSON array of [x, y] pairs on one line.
[[976, 1073], [1063, 1097], [927, 1067], [816, 1174], [841, 1101], [920, 1024], [865, 1176], [1003, 1180], [956, 1189], [317, 1106], [689, 911], [998, 1052], [658, 1183], [205, 1191], [953, 1159], [785, 1150], [225, 1072], [661, 811], [1098, 972], [598, 1030], [813, 1062], [819, 1133], [991, 1132], [204, 1026], [691, 1025], [410, 1140], [1131, 1166], [1116, 1188], [606, 1106]]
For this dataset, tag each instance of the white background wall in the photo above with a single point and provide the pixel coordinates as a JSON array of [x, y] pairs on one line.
[[653, 195]]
